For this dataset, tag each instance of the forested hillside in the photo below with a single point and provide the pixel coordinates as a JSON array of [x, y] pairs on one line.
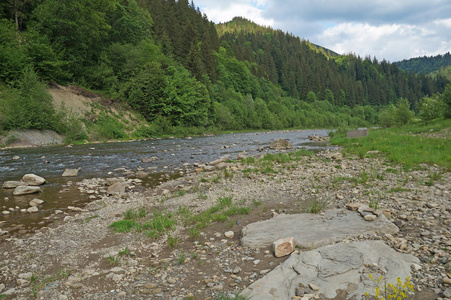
[[426, 64], [166, 60]]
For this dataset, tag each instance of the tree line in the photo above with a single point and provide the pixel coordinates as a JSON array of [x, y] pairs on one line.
[[166, 60]]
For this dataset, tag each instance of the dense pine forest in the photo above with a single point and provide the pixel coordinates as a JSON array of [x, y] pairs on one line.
[[425, 64], [433, 65], [166, 60]]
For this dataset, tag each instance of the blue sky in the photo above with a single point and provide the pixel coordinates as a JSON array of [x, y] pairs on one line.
[[390, 29]]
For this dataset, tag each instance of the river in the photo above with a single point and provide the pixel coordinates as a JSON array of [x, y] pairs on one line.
[[100, 160]]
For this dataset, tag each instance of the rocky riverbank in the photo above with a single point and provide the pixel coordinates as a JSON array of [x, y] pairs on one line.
[[80, 256]]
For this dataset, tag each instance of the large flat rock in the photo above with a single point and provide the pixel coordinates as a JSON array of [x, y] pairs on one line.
[[312, 230], [344, 266]]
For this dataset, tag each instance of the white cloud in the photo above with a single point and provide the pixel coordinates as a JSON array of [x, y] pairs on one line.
[[224, 11], [390, 29], [391, 41]]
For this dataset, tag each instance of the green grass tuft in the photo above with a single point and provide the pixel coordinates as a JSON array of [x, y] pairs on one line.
[[124, 226]]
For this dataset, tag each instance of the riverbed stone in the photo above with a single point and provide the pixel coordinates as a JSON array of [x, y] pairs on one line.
[[33, 179], [311, 230], [281, 144], [13, 184], [334, 267], [283, 247], [70, 172], [220, 160], [208, 168], [117, 188], [141, 174], [25, 190], [35, 202], [32, 209], [229, 234]]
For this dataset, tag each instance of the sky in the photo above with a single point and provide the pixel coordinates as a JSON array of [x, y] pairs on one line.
[[386, 29]]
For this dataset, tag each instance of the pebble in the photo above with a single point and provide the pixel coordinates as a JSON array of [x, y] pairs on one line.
[[229, 234]]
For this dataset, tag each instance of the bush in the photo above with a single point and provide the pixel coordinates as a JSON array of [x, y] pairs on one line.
[[387, 116], [403, 112], [29, 106], [431, 108]]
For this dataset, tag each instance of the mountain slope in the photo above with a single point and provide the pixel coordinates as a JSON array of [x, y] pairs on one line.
[[426, 64]]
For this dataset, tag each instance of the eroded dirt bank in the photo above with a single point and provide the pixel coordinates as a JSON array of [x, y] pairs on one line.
[[81, 257]]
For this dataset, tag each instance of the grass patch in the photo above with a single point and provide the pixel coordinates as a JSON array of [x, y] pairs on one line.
[[124, 225], [402, 145], [133, 221], [181, 258], [391, 170], [374, 203], [160, 224], [88, 219], [130, 214], [41, 282], [436, 176], [172, 241], [397, 190], [315, 206], [113, 260], [221, 212], [257, 203]]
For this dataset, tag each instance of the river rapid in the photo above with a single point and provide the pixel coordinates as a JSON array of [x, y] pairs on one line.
[[101, 161]]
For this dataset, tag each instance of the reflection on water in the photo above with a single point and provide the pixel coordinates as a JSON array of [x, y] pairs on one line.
[[99, 160]]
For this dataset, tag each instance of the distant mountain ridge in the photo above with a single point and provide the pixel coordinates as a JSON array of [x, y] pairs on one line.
[[242, 25], [427, 65]]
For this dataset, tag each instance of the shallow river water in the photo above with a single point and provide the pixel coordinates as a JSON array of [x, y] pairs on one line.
[[97, 160]]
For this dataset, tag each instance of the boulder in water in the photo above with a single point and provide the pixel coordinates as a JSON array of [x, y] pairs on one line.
[[12, 184], [36, 202], [25, 190], [281, 144], [70, 172], [32, 179]]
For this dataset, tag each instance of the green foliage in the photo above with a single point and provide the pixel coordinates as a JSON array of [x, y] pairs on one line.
[[396, 115], [29, 106], [447, 101], [13, 58], [403, 112], [106, 127], [425, 64], [430, 108]]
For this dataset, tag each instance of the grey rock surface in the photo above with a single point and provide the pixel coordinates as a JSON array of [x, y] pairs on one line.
[[25, 190], [70, 172], [281, 144], [312, 230], [33, 179], [31, 137], [344, 266], [13, 184]]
